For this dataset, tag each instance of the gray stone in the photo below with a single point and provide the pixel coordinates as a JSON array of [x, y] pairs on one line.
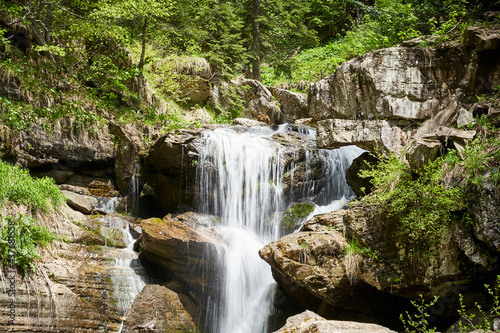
[[79, 202], [293, 105], [387, 135], [420, 152], [309, 322]]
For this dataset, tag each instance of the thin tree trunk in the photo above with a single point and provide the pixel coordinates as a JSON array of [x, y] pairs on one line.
[[256, 41], [141, 63]]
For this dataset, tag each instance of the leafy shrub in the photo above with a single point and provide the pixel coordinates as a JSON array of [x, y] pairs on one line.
[[418, 322], [19, 240], [17, 186], [419, 201]]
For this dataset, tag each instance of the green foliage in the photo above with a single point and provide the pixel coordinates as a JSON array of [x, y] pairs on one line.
[[354, 247], [483, 153], [20, 237], [418, 322], [485, 318], [419, 201], [17, 186]]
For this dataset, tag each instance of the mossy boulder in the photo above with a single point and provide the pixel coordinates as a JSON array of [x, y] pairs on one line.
[[295, 215]]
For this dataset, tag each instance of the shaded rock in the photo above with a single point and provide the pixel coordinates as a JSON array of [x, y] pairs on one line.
[[483, 39], [485, 211], [388, 135], [360, 186], [293, 105], [182, 251], [450, 264], [420, 152], [170, 169], [258, 99], [158, 309], [129, 144], [82, 203], [309, 322]]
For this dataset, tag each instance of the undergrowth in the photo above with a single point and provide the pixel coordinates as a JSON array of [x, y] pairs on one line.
[[20, 237], [17, 186], [418, 199]]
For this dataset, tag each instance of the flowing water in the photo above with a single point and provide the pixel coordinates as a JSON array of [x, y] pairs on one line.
[[127, 275], [240, 176]]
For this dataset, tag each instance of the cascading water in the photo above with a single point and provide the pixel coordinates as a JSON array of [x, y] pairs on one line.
[[240, 177], [127, 275]]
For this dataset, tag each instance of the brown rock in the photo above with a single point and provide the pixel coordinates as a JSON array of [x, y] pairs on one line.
[[158, 309]]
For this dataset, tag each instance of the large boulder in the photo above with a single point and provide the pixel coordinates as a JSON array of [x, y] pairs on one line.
[[258, 99], [158, 309], [293, 105], [184, 249], [170, 169], [309, 322], [82, 203]]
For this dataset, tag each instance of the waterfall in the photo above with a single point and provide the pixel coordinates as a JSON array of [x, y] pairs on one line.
[[240, 176]]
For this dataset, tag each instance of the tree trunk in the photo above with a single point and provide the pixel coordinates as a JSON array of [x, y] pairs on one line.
[[141, 63], [256, 41]]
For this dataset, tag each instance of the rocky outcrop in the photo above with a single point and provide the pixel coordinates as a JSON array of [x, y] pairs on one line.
[[309, 322], [129, 144], [37, 147], [311, 267], [388, 135], [257, 99], [170, 168], [158, 309], [374, 91], [184, 249], [485, 210], [293, 105]]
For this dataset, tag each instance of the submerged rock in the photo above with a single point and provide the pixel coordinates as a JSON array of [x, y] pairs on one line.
[[309, 322], [158, 309]]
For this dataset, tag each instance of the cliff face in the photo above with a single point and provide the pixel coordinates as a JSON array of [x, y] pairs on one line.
[[383, 96]]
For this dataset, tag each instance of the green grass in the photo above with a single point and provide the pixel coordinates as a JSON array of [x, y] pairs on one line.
[[20, 237], [17, 186]]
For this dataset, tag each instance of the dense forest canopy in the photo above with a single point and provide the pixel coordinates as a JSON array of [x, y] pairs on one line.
[[102, 51]]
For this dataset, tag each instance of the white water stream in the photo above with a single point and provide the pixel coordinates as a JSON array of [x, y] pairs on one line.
[[240, 177], [127, 275]]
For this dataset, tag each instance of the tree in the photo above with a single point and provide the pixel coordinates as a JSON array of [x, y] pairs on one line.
[[141, 12]]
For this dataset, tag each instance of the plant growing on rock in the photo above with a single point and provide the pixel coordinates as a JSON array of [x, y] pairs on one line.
[[419, 201], [20, 237]]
